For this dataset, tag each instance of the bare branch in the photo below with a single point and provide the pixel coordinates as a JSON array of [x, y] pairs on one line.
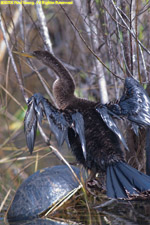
[[12, 61], [42, 80], [90, 22], [88, 47], [131, 31], [43, 28], [126, 51]]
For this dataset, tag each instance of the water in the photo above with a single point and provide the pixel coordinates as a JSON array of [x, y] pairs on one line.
[[76, 212]]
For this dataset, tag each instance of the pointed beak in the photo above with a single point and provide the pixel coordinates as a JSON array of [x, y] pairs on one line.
[[24, 54]]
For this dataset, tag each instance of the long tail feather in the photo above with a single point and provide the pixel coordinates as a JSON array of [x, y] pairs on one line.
[[123, 181], [115, 182]]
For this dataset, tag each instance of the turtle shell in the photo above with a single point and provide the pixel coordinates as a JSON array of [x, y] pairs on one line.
[[41, 191]]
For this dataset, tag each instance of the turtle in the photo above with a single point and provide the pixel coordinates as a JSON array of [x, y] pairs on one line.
[[44, 191]]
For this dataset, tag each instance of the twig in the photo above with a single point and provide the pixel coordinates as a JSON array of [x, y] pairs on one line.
[[9, 32], [5, 199], [7, 74], [21, 22], [143, 9], [125, 42], [42, 81], [43, 28], [92, 30], [14, 99], [118, 219], [144, 64], [105, 204], [88, 47], [113, 17], [126, 65], [57, 153], [44, 136], [131, 32], [137, 45], [29, 164], [131, 44], [110, 47], [12, 60]]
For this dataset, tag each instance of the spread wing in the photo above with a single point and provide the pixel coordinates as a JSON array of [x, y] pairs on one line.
[[134, 105], [59, 121], [106, 116], [30, 125]]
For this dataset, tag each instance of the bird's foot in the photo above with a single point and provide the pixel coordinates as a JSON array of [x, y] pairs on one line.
[[95, 185]]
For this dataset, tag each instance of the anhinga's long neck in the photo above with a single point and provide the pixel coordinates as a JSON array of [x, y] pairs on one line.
[[64, 86]]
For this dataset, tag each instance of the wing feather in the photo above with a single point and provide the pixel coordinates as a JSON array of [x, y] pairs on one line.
[[30, 125], [59, 122], [105, 115], [133, 105]]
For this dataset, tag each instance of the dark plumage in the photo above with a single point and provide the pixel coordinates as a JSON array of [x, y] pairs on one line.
[[89, 129]]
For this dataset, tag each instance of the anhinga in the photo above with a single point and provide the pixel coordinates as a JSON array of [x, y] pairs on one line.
[[89, 129]]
